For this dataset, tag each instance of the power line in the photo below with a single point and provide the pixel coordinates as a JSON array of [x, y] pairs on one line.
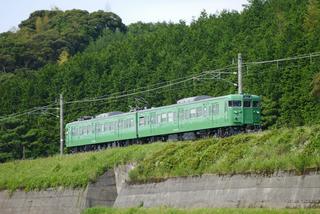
[[171, 83], [166, 84], [26, 112], [310, 55]]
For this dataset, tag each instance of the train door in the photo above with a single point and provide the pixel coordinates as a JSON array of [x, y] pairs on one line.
[[206, 115], [180, 118], [247, 112], [153, 122]]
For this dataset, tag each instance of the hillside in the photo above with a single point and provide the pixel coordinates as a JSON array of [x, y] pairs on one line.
[[295, 150], [50, 36], [150, 55]]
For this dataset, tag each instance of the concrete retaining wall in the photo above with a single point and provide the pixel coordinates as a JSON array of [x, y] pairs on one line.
[[60, 201], [278, 191], [111, 189]]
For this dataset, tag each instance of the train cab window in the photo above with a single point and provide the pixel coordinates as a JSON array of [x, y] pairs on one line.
[[255, 104], [141, 121], [234, 103], [247, 104]]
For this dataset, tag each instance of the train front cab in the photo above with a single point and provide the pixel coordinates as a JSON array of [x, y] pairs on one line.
[[244, 110], [251, 110]]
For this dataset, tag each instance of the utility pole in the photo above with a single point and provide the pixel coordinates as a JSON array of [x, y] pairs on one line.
[[61, 124], [239, 73]]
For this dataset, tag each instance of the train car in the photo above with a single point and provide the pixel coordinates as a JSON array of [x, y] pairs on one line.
[[189, 118], [93, 133], [203, 115]]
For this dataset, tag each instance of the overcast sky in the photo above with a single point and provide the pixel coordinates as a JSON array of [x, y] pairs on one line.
[[12, 12]]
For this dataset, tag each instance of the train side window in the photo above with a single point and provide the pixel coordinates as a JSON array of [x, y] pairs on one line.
[[205, 111], [199, 112], [247, 104], [181, 115], [175, 116], [215, 109], [121, 124], [170, 117], [141, 121], [163, 117], [98, 128], [153, 119], [193, 113], [186, 114], [255, 104]]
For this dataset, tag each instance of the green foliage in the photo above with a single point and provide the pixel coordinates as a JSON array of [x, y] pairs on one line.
[[261, 153], [295, 150], [147, 55], [68, 171], [45, 34]]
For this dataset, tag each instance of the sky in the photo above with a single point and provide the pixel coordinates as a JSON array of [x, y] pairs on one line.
[[12, 12]]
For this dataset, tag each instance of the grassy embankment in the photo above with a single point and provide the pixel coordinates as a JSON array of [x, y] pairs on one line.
[[197, 211], [263, 153]]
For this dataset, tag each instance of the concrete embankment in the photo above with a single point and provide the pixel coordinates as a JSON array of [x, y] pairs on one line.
[[60, 201], [280, 190]]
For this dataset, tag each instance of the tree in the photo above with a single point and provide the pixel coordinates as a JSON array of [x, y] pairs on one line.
[[316, 86], [312, 18], [64, 56]]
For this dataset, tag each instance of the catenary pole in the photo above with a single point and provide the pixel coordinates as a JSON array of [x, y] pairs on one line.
[[239, 73], [61, 124]]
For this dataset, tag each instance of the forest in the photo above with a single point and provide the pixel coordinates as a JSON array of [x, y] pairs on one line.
[[95, 56]]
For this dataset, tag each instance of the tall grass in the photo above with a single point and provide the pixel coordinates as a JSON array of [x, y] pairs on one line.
[[296, 150], [68, 171]]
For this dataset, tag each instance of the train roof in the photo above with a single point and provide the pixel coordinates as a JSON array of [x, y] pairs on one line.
[[179, 103]]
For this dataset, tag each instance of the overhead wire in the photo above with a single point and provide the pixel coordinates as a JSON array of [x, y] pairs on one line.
[[171, 83], [26, 112], [163, 85]]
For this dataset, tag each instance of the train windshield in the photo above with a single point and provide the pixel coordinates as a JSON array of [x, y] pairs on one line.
[[255, 104], [247, 103], [234, 103]]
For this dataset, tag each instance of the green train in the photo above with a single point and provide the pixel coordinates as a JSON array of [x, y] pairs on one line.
[[188, 119]]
